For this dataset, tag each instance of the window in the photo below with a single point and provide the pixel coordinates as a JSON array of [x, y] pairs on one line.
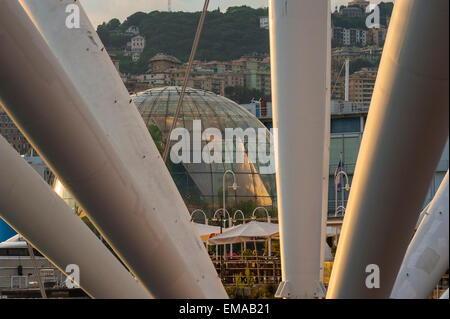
[[346, 125]]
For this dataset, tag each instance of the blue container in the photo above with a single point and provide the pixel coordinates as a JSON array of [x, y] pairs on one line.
[[6, 232]]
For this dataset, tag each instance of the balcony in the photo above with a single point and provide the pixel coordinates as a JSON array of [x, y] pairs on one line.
[[343, 108]]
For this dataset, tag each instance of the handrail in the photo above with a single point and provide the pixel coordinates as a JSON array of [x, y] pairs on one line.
[[199, 211], [226, 211], [265, 210], [242, 213]]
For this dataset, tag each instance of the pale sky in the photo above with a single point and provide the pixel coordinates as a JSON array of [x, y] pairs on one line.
[[105, 10]]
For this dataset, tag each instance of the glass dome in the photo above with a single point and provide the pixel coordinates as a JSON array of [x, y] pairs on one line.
[[200, 184]]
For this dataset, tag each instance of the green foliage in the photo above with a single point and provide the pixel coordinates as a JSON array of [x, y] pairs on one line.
[[232, 292], [127, 65], [248, 289], [225, 36], [275, 248], [111, 34], [157, 137], [250, 279], [247, 207], [266, 292], [358, 64], [360, 23], [385, 11], [348, 22], [256, 292], [248, 253], [242, 95]]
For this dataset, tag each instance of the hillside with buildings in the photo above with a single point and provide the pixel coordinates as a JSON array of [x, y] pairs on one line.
[[226, 36]]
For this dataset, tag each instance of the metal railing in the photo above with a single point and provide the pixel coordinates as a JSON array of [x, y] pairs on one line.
[[28, 282], [341, 107], [250, 270], [50, 277]]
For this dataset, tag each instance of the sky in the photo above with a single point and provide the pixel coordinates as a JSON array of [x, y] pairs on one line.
[[104, 10]]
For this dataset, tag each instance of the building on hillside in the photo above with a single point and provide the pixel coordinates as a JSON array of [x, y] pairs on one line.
[[154, 79], [371, 53], [361, 86], [352, 12], [162, 62], [211, 83], [264, 23], [215, 66], [251, 72], [340, 36], [234, 79], [359, 3], [358, 37], [138, 44], [377, 36], [340, 55], [133, 30], [135, 56], [349, 37]]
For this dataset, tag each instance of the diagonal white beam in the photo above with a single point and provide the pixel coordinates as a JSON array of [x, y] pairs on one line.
[[34, 210], [407, 129], [61, 89], [426, 259]]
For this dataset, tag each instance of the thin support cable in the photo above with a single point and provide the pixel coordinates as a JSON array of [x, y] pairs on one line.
[[186, 78]]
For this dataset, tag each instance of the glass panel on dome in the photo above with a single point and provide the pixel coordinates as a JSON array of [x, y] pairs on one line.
[[200, 184]]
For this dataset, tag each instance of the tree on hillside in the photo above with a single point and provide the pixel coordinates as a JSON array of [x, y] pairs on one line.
[[358, 64], [226, 36]]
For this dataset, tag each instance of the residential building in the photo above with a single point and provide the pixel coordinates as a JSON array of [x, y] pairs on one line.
[[362, 84], [234, 79], [352, 12], [135, 56], [133, 30], [359, 3], [262, 109], [340, 55], [138, 43], [251, 71], [211, 83], [349, 37], [162, 62], [264, 23], [377, 36]]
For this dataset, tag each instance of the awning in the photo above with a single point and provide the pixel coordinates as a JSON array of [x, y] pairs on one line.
[[246, 232], [207, 231]]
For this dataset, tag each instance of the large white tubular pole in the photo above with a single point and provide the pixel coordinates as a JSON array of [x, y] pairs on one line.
[[34, 210], [407, 129], [426, 260], [62, 90], [300, 51]]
